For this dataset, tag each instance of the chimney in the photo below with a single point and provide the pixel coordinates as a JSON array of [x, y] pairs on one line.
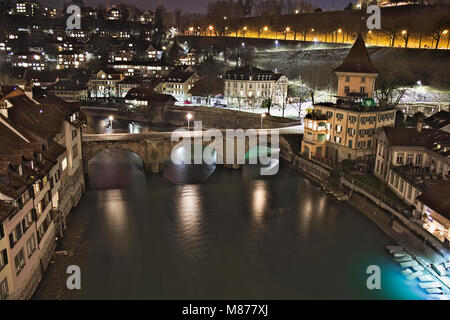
[[419, 123]]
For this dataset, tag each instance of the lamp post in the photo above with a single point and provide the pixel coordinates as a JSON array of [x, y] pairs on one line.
[[111, 118], [189, 117], [287, 30], [263, 115]]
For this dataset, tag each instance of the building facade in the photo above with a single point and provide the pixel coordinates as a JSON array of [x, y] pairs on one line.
[[316, 134], [249, 86], [41, 179], [411, 160], [355, 118]]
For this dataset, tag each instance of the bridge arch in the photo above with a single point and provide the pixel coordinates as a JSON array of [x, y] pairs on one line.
[[93, 148]]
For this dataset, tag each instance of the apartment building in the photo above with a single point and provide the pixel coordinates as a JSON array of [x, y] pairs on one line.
[[355, 118], [178, 83], [249, 86], [29, 60], [70, 60], [103, 84], [41, 179], [412, 160], [69, 90]]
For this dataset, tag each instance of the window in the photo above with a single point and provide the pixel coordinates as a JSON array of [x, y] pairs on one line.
[[363, 79], [2, 232], [338, 128], [362, 90], [346, 89], [409, 191], [392, 178], [3, 258], [409, 158], [74, 151], [419, 160], [27, 221], [57, 175], [64, 164], [402, 182], [378, 166], [74, 134], [31, 245], [4, 289], [36, 188], [400, 158], [15, 235], [347, 79], [19, 261]]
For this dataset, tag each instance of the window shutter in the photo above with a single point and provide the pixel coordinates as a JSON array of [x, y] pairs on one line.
[[11, 240], [2, 231], [5, 256]]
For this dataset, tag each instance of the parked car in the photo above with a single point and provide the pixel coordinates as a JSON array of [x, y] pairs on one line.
[[187, 102]]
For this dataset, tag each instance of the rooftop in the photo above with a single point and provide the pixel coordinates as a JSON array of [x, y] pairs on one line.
[[437, 198], [435, 140], [257, 74], [357, 60], [438, 120]]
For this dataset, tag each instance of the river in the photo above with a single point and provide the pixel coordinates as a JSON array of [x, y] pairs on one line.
[[233, 236]]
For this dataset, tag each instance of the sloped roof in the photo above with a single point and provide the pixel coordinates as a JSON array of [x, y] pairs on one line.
[[244, 73], [205, 86], [438, 120], [435, 140], [69, 85], [175, 76], [437, 198], [357, 60]]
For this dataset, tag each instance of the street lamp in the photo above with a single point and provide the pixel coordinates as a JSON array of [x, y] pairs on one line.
[[189, 117], [210, 30], [287, 30], [111, 118], [297, 11], [265, 29], [263, 115]]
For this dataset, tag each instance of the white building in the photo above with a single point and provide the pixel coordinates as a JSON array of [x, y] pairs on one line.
[[250, 86]]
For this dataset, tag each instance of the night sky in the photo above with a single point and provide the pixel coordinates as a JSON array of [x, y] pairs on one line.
[[193, 5]]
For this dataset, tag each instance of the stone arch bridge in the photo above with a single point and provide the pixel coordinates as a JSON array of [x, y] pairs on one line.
[[155, 147]]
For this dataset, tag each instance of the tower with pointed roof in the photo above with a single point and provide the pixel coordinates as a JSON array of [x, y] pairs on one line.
[[356, 75]]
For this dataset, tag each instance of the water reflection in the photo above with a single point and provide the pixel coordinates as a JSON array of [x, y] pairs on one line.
[[181, 167], [189, 210], [259, 201], [116, 169], [231, 237]]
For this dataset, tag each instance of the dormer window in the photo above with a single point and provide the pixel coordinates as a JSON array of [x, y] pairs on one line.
[[32, 164], [20, 170]]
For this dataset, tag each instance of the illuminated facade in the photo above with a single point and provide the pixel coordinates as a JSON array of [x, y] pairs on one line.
[[250, 86], [316, 134]]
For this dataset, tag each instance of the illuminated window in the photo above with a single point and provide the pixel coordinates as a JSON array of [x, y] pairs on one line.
[[64, 164]]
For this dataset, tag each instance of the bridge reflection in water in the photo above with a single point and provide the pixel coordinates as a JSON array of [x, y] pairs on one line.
[[194, 163]]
